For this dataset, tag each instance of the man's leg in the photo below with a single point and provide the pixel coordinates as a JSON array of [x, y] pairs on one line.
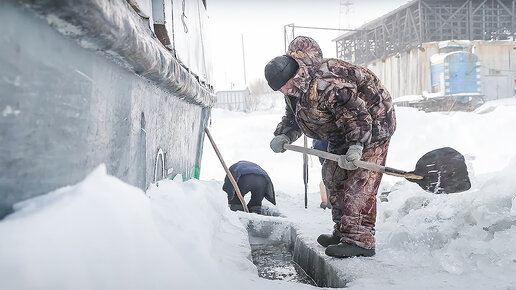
[[235, 199], [256, 184], [234, 203], [353, 197]]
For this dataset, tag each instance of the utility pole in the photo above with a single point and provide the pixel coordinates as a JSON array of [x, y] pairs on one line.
[[288, 34], [243, 59]]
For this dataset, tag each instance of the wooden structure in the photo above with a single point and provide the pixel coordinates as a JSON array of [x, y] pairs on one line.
[[423, 21]]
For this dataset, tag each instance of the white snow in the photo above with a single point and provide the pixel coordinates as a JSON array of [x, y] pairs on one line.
[[63, 26], [8, 110], [104, 234], [145, 7], [408, 98]]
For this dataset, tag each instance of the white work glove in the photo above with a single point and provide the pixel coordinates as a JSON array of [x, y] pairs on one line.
[[354, 153], [278, 142]]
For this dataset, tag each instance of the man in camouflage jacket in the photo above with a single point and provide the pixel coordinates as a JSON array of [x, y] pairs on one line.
[[346, 105]]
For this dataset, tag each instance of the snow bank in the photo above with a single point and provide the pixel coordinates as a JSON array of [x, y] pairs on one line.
[[467, 237], [493, 105], [408, 98], [105, 234]]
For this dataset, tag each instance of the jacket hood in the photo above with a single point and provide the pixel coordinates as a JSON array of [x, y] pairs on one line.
[[308, 55]]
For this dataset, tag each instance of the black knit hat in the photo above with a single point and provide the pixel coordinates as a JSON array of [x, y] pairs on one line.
[[279, 70]]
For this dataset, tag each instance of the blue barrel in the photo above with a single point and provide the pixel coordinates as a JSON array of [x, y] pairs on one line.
[[455, 73]]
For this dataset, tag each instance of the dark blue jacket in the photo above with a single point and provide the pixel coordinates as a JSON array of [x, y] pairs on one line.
[[246, 167], [320, 145]]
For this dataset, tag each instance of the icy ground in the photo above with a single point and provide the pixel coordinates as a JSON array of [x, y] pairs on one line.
[[104, 234]]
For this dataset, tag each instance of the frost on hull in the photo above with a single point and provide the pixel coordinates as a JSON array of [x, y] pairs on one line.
[[115, 28], [85, 83]]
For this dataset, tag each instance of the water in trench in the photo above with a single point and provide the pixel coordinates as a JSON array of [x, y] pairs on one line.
[[274, 262]]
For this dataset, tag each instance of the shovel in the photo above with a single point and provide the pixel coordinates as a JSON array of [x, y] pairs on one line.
[[439, 171]]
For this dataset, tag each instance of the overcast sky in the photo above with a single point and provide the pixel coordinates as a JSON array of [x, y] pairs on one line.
[[262, 25]]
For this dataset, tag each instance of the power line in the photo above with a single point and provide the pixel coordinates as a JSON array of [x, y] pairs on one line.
[[324, 28]]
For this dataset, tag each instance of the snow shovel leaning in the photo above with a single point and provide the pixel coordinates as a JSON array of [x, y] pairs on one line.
[[439, 171]]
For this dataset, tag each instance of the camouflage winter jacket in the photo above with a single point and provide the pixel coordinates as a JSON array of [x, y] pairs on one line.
[[334, 100]]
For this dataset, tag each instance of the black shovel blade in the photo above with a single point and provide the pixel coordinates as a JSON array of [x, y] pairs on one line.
[[443, 170]]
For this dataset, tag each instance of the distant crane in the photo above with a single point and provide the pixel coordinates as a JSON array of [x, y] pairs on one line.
[[344, 11]]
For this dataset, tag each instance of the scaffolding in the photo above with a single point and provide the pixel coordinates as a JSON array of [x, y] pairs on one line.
[[425, 21]]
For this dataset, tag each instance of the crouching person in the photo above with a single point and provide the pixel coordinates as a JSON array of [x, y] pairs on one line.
[[250, 177]]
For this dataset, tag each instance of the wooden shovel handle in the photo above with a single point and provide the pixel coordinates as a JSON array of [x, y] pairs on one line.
[[230, 176], [359, 163]]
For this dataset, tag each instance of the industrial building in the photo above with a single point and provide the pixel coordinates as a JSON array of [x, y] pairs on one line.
[[456, 51], [234, 100]]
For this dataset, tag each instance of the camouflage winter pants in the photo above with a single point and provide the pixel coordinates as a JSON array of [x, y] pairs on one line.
[[353, 197]]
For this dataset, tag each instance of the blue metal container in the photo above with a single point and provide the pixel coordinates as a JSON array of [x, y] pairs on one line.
[[455, 73]]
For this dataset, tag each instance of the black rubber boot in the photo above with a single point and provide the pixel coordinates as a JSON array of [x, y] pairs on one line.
[[235, 207], [255, 209], [328, 239], [345, 250]]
